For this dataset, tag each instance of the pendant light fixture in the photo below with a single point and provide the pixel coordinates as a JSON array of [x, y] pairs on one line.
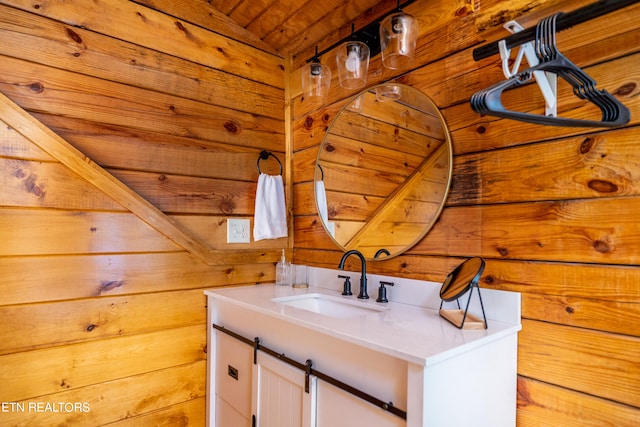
[[394, 35], [352, 58], [398, 35], [316, 79]]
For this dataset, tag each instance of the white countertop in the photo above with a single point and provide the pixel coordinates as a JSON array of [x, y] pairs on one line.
[[412, 333]]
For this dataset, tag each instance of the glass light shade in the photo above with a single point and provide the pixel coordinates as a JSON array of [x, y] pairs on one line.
[[316, 80], [386, 93], [398, 35], [356, 104], [353, 64]]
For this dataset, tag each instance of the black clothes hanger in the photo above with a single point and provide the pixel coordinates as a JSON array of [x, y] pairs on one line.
[[584, 86], [488, 101]]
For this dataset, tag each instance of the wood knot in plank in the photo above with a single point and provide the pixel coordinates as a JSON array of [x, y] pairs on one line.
[[20, 174], [602, 247], [626, 89], [232, 127], [91, 327], [461, 12], [73, 35], [602, 186], [587, 145], [308, 122], [570, 310], [481, 129], [110, 285], [227, 205], [37, 87], [503, 251], [31, 183]]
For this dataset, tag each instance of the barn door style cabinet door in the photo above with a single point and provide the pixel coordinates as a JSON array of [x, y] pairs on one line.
[[265, 393], [279, 398], [271, 393]]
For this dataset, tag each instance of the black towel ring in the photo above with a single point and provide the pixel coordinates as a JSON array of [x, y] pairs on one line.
[[321, 172], [264, 155]]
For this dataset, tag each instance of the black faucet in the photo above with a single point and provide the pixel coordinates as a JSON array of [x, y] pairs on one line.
[[380, 252], [363, 279]]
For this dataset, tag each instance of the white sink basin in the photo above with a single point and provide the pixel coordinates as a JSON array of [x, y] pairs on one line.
[[329, 305]]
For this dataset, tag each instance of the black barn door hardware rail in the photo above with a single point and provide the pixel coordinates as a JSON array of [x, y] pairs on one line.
[[309, 370]]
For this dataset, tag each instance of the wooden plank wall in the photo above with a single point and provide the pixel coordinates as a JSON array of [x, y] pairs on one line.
[[98, 310], [553, 210]]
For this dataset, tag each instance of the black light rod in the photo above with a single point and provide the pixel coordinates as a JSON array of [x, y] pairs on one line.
[[567, 20], [367, 27]]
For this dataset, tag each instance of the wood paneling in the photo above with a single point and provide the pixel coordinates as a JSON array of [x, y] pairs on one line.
[[544, 404], [553, 210], [608, 362], [66, 322], [118, 399], [63, 45], [166, 34], [292, 26], [98, 308], [93, 301], [46, 371], [39, 88], [48, 278], [182, 414]]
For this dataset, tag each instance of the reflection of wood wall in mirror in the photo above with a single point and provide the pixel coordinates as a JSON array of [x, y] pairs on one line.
[[387, 170], [393, 216]]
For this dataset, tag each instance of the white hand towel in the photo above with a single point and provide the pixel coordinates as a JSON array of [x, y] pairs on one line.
[[321, 201], [270, 220]]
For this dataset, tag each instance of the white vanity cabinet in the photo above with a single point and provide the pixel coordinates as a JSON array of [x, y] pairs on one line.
[[274, 391], [434, 373]]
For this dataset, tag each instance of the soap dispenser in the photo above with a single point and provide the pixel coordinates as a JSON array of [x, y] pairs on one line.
[[283, 271]]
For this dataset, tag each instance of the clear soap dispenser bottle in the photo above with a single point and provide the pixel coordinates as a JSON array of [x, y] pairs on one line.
[[283, 271]]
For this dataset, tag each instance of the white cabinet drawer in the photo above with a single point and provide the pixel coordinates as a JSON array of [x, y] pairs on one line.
[[234, 361]]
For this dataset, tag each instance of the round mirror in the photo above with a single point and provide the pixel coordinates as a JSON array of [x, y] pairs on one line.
[[383, 171], [461, 279]]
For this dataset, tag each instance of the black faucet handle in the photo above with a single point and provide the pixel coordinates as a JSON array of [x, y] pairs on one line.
[[346, 287], [382, 291]]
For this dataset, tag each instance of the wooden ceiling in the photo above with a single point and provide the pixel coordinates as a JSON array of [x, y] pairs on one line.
[[296, 26]]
